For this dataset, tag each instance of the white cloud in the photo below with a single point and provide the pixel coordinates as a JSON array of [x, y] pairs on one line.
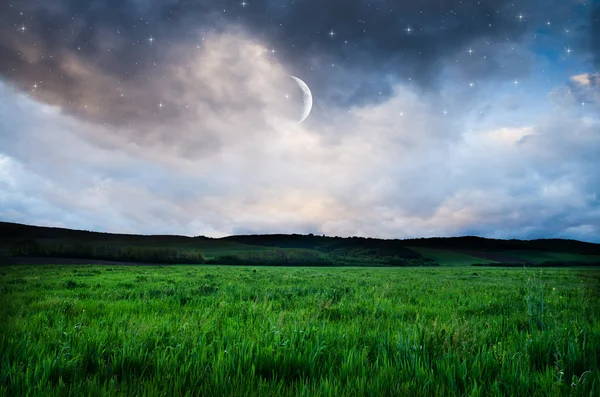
[[587, 79], [510, 135], [234, 160], [584, 79]]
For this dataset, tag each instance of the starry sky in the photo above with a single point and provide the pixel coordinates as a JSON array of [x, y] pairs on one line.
[[430, 118]]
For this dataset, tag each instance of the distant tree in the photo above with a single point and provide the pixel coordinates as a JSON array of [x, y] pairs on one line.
[[27, 247]]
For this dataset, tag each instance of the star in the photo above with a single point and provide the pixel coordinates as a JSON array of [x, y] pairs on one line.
[[160, 105], [23, 28], [470, 51], [516, 82], [273, 51], [151, 39], [243, 4], [331, 33], [408, 29]]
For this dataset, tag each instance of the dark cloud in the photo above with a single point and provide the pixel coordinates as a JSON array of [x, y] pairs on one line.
[[377, 36], [595, 34], [85, 53]]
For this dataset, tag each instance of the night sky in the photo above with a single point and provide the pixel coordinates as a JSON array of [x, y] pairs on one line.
[[430, 118]]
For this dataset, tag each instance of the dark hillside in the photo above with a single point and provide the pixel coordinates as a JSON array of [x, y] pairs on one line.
[[17, 231], [487, 244], [288, 249], [335, 245]]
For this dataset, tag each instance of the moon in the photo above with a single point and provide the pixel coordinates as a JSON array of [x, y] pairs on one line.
[[307, 97]]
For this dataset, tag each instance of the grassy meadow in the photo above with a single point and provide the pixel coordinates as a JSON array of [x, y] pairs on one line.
[[449, 257], [225, 330]]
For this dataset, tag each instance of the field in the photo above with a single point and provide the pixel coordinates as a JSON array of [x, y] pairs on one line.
[[223, 330], [450, 257]]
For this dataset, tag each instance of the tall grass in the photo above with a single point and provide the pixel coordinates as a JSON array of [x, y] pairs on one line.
[[535, 301], [210, 330]]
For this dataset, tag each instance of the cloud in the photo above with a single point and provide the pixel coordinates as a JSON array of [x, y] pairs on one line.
[[585, 89], [236, 161], [94, 59], [584, 79]]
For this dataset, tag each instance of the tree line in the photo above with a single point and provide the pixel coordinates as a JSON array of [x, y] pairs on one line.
[[32, 248], [307, 258]]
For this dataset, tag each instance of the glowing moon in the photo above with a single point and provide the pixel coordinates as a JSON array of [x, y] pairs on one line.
[[307, 96]]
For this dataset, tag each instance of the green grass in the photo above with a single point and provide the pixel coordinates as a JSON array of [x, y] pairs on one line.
[[226, 331], [449, 257], [545, 256]]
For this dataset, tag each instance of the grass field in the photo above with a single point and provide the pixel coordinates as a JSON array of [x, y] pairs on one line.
[[210, 330], [449, 257], [540, 256]]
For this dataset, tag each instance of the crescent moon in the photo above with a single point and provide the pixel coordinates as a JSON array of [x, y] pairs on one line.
[[307, 97]]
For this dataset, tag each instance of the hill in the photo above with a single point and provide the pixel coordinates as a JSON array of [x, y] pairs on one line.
[[17, 240]]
